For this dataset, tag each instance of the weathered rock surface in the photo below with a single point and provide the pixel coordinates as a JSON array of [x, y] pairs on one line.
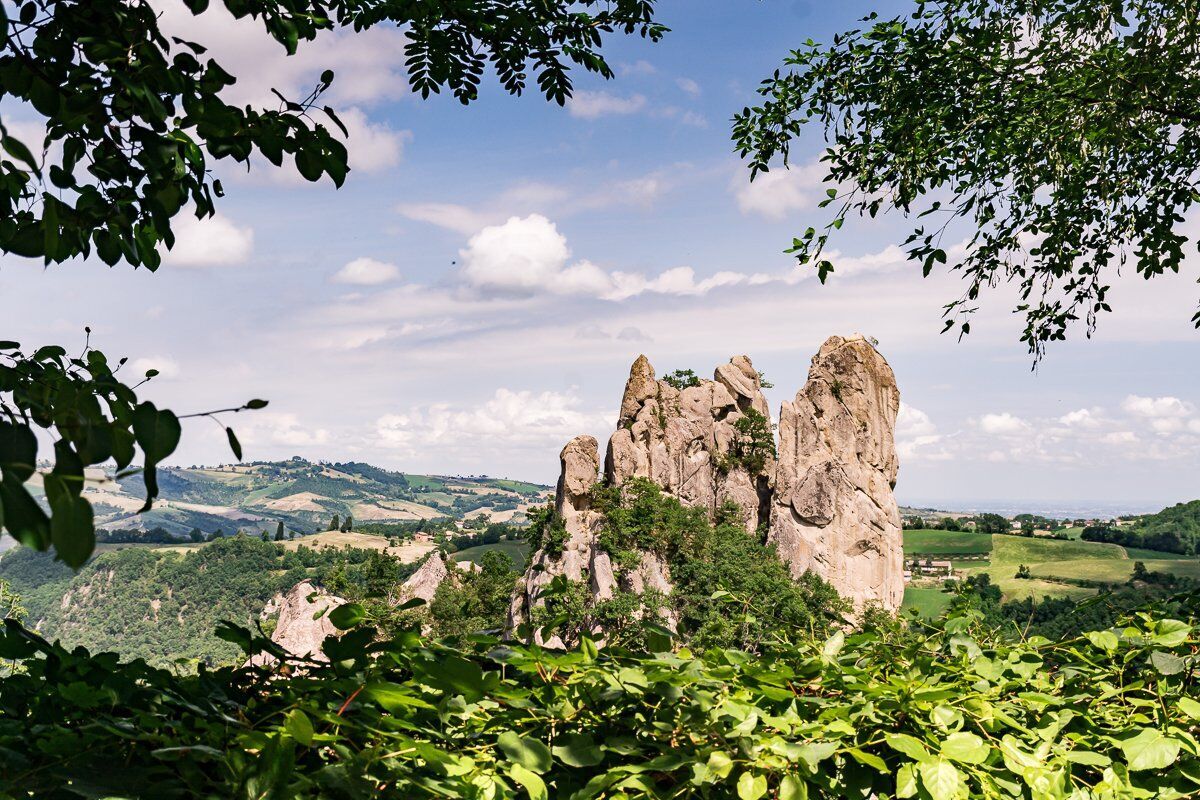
[[833, 510], [825, 498], [423, 584], [682, 440], [296, 631], [580, 558]]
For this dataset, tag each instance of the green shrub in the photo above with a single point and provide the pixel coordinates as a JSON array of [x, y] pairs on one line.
[[942, 713]]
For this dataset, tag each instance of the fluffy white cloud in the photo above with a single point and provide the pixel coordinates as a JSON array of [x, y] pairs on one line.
[[592, 105], [1082, 418], [371, 147], [1157, 407], [689, 86], [781, 192], [367, 272], [211, 242], [524, 419], [521, 256], [1004, 424], [912, 422]]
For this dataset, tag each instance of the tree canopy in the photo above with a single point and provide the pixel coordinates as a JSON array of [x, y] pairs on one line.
[[134, 123], [1045, 143]]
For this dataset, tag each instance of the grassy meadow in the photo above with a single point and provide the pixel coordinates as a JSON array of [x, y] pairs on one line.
[[1051, 562]]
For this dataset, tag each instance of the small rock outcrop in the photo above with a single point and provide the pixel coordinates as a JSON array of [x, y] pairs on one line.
[[833, 510], [296, 630], [823, 492], [423, 584], [579, 558]]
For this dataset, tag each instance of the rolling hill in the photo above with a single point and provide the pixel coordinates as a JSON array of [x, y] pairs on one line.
[[303, 495]]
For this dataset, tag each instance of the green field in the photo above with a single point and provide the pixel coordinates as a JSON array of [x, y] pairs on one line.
[[517, 551], [927, 600], [933, 542]]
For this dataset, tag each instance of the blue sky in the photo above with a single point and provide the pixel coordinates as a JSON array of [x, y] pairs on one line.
[[475, 294]]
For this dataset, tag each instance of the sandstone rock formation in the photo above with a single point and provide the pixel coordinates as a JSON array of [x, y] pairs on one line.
[[424, 583], [825, 499], [683, 440], [296, 631], [833, 511]]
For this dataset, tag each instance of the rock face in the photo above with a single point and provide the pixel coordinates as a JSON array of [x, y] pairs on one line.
[[296, 631], [424, 583], [833, 511], [824, 499], [580, 559], [683, 439]]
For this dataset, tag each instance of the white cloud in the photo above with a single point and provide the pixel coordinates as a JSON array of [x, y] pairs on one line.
[[777, 194], [447, 215], [371, 147], [367, 272], [640, 67], [211, 242], [689, 86], [1004, 424], [269, 428], [1119, 438], [1157, 407], [912, 422], [525, 419], [592, 105], [368, 65], [521, 256], [1082, 418]]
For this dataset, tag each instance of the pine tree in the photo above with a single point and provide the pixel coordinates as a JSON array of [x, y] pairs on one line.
[[348, 525], [279, 531], [334, 524]]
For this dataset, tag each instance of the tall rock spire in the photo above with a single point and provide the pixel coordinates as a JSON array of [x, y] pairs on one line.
[[833, 511]]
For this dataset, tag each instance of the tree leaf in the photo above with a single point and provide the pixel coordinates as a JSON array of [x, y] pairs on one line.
[[941, 779], [157, 433], [524, 751], [792, 788], [346, 616], [1149, 749], [751, 786], [299, 727], [71, 529], [578, 750], [966, 748], [534, 785], [234, 444]]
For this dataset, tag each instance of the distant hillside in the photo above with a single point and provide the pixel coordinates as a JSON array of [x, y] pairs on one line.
[[1175, 529], [164, 604], [304, 496]]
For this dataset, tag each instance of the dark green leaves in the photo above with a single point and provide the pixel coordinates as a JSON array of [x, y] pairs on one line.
[[347, 616], [157, 433], [71, 530], [1042, 144]]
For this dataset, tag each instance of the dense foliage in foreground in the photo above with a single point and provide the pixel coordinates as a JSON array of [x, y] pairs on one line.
[[948, 712]]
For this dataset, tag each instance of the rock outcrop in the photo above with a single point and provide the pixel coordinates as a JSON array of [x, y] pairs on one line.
[[296, 630], [685, 440], [824, 498], [833, 510], [579, 559], [423, 584]]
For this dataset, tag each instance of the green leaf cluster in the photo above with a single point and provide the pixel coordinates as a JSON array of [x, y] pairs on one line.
[[944, 713]]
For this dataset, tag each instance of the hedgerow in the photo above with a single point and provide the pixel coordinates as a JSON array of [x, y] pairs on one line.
[[943, 712]]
